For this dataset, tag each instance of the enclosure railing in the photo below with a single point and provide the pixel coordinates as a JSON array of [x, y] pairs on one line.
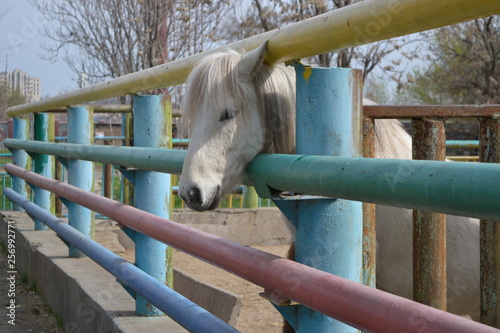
[[340, 177], [358, 305], [429, 229]]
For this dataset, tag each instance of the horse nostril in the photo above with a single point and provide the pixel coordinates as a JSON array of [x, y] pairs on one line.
[[194, 196]]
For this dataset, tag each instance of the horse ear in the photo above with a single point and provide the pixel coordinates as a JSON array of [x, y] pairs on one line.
[[251, 62]]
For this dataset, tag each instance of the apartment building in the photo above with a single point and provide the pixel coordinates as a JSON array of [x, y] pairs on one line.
[[27, 85]]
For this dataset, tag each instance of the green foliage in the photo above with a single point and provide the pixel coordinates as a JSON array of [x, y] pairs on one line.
[[463, 65]]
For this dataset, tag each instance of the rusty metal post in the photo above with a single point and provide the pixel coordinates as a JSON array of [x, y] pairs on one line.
[[107, 179], [489, 152], [369, 212], [59, 176], [429, 229]]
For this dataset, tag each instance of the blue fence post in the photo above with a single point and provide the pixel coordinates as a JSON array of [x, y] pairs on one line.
[[20, 157], [80, 173], [43, 165], [328, 231], [152, 190]]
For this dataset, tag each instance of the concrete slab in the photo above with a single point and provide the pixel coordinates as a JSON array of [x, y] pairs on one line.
[[262, 226], [87, 297]]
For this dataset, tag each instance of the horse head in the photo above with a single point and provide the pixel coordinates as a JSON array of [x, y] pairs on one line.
[[227, 123]]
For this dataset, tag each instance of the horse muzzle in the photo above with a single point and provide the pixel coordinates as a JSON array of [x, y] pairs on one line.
[[199, 200]]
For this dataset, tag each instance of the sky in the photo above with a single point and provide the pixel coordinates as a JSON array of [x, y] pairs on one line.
[[20, 39], [20, 48]]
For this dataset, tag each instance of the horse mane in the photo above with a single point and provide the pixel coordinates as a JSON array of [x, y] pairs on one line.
[[391, 139], [275, 87], [205, 81], [217, 75]]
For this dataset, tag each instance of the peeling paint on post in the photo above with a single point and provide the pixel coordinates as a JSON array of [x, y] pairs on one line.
[[80, 172], [20, 157], [489, 152], [152, 191], [429, 229], [42, 166], [369, 212], [329, 231]]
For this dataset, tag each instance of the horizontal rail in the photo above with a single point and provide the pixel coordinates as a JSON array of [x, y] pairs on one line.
[[465, 189], [153, 159], [456, 188], [110, 108], [466, 144], [183, 311], [357, 24], [366, 308], [98, 108], [419, 111]]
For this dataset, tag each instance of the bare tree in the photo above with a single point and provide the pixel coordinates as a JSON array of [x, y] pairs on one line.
[[463, 65], [267, 15], [111, 38]]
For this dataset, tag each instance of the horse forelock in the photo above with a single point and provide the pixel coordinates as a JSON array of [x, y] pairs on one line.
[[214, 81]]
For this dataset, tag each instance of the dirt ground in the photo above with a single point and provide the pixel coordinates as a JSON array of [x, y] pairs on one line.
[[32, 314], [257, 315]]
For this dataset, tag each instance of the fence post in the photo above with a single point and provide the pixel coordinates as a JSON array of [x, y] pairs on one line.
[[43, 165], [369, 211], [127, 132], [429, 229], [250, 197], [328, 231], [152, 191], [80, 172], [20, 157], [489, 152]]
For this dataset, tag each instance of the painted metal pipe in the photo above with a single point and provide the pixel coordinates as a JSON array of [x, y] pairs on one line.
[[467, 189], [361, 23], [429, 229], [42, 165], [151, 191], [467, 144], [153, 159], [183, 311], [80, 172], [366, 308], [380, 111], [328, 231], [20, 157], [490, 232]]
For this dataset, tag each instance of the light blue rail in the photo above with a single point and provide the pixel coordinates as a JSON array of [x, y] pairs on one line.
[[183, 311]]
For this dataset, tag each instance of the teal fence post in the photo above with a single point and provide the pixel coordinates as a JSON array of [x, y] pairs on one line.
[[151, 190], [20, 157], [42, 165], [80, 172], [328, 231]]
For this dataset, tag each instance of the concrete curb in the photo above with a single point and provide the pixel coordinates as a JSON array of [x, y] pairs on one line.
[[88, 298]]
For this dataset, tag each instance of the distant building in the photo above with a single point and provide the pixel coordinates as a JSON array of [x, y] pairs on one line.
[[28, 86]]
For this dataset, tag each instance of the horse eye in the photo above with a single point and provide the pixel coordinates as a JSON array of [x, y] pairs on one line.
[[228, 114]]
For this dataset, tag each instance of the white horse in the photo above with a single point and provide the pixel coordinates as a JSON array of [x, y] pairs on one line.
[[238, 106]]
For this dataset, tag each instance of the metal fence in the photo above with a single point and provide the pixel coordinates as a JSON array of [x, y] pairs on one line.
[[361, 179]]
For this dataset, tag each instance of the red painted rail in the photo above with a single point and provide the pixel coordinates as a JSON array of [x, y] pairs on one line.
[[365, 308]]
